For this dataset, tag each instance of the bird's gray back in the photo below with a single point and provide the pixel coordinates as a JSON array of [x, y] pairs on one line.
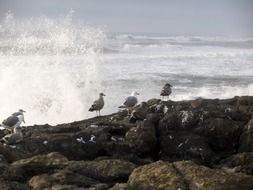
[[98, 104], [166, 91], [10, 121], [131, 101]]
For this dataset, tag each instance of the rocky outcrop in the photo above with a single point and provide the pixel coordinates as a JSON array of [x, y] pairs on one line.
[[108, 152], [186, 175]]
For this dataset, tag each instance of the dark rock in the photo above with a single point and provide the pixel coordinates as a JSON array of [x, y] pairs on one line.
[[246, 138], [242, 162], [7, 185], [142, 139], [203, 178], [183, 146], [158, 175], [119, 186], [26, 168], [102, 152], [103, 170], [222, 134]]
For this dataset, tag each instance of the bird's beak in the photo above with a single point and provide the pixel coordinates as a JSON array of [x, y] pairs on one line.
[[103, 94]]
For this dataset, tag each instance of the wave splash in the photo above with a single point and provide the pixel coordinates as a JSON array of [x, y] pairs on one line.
[[47, 67]]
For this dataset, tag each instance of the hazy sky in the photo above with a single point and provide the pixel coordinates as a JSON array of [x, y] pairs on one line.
[[147, 16]]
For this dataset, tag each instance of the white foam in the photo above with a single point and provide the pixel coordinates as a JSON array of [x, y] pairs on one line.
[[48, 68]]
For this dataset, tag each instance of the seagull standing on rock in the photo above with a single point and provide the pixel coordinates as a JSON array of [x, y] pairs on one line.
[[166, 90], [13, 138], [140, 113], [130, 102], [14, 120], [98, 104]]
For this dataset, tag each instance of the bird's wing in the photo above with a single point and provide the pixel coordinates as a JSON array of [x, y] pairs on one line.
[[16, 114], [166, 91], [14, 138], [130, 101], [10, 121], [97, 105]]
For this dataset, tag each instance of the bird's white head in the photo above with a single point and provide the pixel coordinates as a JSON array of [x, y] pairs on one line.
[[21, 111], [134, 93]]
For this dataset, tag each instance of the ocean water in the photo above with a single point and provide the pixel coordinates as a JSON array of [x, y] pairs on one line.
[[55, 68]]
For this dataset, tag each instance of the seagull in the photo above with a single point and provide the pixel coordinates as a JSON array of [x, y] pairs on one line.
[[13, 138], [14, 120], [98, 104], [139, 113], [166, 90], [130, 102], [19, 112]]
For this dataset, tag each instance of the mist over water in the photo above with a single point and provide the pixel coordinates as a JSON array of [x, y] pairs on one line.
[[49, 68], [54, 69]]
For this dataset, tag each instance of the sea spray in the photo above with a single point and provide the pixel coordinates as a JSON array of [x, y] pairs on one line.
[[49, 68]]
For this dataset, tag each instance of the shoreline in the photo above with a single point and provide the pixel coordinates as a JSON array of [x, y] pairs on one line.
[[206, 141]]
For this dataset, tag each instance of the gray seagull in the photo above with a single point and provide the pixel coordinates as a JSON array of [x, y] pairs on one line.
[[140, 113], [98, 104], [166, 90], [14, 120], [130, 102], [13, 138]]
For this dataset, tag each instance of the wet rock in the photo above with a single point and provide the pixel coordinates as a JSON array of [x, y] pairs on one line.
[[142, 139], [23, 169], [222, 134], [183, 146], [241, 162], [158, 175], [244, 103], [179, 120], [246, 138], [9, 185], [62, 177], [203, 178], [119, 186], [103, 170], [102, 152]]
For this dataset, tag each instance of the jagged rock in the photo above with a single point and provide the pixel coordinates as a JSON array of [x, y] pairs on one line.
[[119, 186], [222, 134], [184, 145], [186, 175], [21, 170], [202, 178], [102, 152], [62, 177], [9, 185], [246, 138], [103, 170], [245, 103], [156, 176], [142, 139], [85, 174], [9, 154], [242, 162]]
